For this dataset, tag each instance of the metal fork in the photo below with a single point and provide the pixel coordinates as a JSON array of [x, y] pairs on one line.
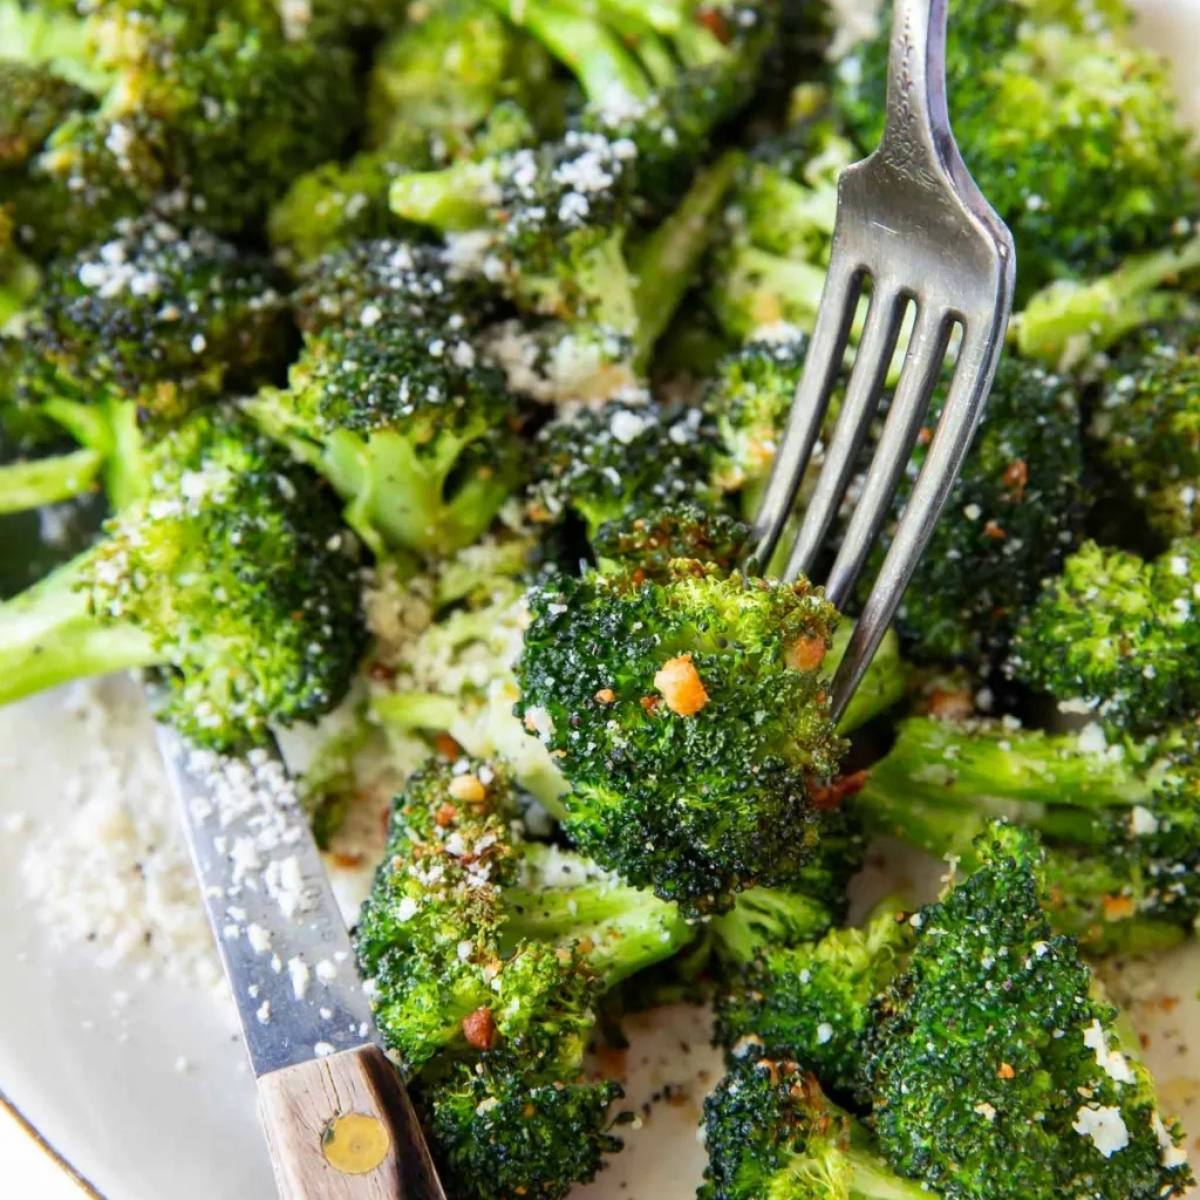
[[911, 221]]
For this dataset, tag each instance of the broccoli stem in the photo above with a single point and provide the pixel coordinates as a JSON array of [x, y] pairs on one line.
[[592, 53], [110, 428], [452, 199], [870, 1176], [49, 636], [760, 289], [58, 38], [407, 712], [620, 929], [665, 261], [1069, 319], [882, 686], [765, 916], [38, 481]]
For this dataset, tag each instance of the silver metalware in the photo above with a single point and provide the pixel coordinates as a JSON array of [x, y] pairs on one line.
[[912, 222]]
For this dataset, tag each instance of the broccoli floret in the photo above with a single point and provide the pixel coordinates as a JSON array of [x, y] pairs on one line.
[[1117, 634], [488, 954], [1069, 319], [769, 270], [994, 1069], [1015, 512], [234, 575], [690, 716], [811, 1001], [417, 434], [599, 462], [33, 101], [1121, 826], [129, 337], [1023, 75], [652, 535], [771, 1131], [1147, 422]]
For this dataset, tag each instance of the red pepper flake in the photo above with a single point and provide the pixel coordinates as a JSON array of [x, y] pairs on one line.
[[805, 653], [445, 816], [1015, 477], [1117, 908], [447, 747], [681, 685], [381, 672], [1005, 1071], [479, 1028], [828, 797], [950, 704], [994, 531], [714, 21], [605, 696], [924, 435]]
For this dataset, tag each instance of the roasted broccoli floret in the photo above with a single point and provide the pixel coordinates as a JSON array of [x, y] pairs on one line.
[[233, 574], [487, 954], [128, 337], [768, 270], [1120, 823], [1147, 422], [810, 1000], [396, 408], [690, 716], [653, 534], [1117, 634], [1015, 512], [771, 1131], [993, 1067], [598, 463], [1023, 76]]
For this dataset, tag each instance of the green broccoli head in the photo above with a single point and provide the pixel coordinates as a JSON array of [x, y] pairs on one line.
[[1147, 421], [810, 1001], [1023, 75], [1120, 824], [234, 575], [488, 955], [1014, 514], [654, 534], [415, 432], [1117, 634], [749, 399], [993, 1069], [771, 1132], [690, 716], [33, 101], [599, 462]]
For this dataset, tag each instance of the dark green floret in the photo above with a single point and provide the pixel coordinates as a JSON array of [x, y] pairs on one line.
[[397, 409], [690, 716], [653, 534], [995, 1070], [488, 954], [1117, 634], [234, 575], [1120, 824], [1013, 515], [129, 336], [771, 1132], [1023, 76], [598, 463], [1147, 422]]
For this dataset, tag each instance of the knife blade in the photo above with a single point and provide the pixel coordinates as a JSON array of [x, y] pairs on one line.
[[290, 965]]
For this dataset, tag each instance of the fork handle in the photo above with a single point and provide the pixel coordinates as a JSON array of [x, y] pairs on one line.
[[343, 1128], [917, 117]]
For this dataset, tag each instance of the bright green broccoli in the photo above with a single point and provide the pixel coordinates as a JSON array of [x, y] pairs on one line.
[[487, 955], [1025, 75], [129, 337], [690, 716], [1117, 635], [395, 406], [233, 574], [1120, 824], [1147, 422], [770, 1131], [994, 1068]]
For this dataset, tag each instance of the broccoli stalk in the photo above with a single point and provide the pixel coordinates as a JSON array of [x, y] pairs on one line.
[[1069, 319], [1121, 830], [37, 481]]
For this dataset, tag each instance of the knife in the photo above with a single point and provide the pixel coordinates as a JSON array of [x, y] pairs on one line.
[[338, 1122]]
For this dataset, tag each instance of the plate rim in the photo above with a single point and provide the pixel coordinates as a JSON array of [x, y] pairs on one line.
[[35, 1135]]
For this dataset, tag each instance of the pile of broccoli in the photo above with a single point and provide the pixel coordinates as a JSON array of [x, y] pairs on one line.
[[427, 364]]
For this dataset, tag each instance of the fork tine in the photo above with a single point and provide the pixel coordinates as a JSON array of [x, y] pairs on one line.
[[843, 285], [873, 357], [918, 377], [969, 388]]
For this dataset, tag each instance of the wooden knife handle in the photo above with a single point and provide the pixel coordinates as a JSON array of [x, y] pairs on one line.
[[343, 1128]]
